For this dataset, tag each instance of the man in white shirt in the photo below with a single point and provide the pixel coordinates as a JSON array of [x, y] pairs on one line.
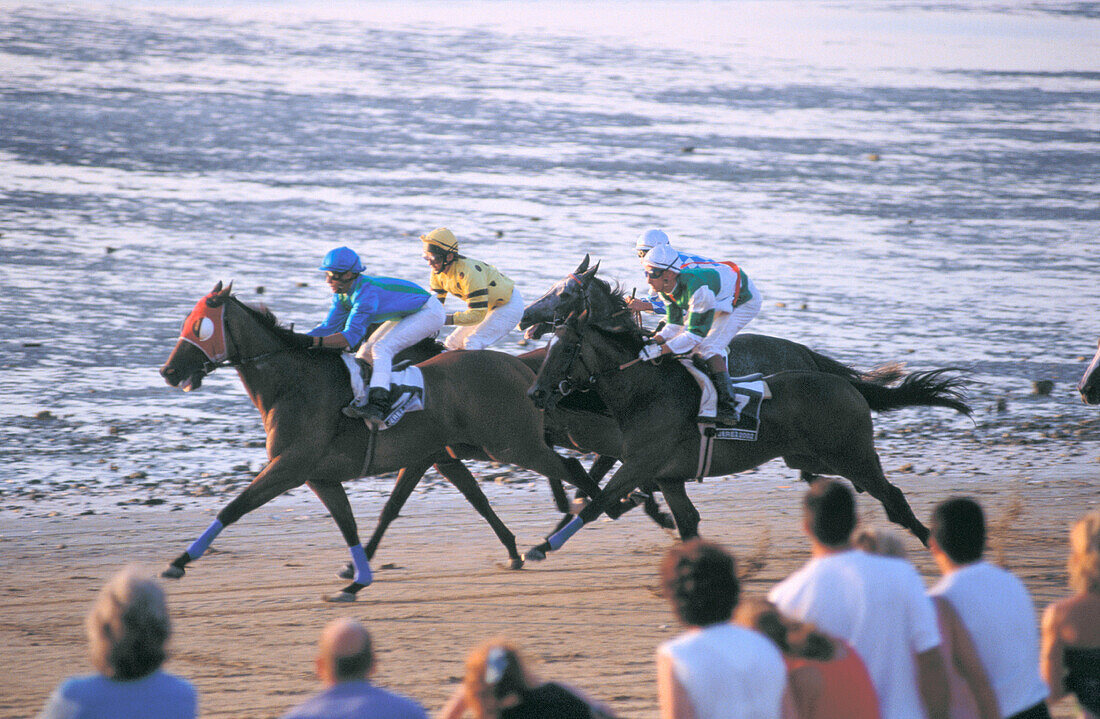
[[993, 605], [877, 604]]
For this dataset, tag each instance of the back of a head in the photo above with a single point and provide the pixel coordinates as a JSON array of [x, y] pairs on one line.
[[700, 581], [346, 651], [958, 526], [128, 627], [494, 670], [885, 542], [1084, 555], [794, 638], [830, 509]]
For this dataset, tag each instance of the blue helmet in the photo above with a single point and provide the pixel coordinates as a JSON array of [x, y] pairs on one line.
[[342, 259]]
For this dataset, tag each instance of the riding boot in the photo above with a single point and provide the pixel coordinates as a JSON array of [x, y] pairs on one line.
[[726, 411], [378, 403]]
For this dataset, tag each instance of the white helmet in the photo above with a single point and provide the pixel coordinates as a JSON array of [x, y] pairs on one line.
[[662, 257], [650, 239]]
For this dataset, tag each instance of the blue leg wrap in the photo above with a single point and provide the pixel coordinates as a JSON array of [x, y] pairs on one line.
[[200, 545], [362, 566], [559, 537]]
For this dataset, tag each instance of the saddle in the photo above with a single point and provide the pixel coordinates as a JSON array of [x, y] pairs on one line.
[[406, 386], [749, 393]]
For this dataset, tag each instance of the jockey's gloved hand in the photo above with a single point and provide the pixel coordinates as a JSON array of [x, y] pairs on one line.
[[650, 352], [302, 341]]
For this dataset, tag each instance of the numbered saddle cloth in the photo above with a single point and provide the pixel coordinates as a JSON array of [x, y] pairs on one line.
[[406, 387], [748, 394]]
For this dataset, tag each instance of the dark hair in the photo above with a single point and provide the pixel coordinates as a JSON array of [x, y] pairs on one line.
[[958, 526], [700, 580], [831, 510], [354, 666], [794, 638]]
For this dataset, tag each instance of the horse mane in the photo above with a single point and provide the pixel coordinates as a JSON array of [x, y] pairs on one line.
[[624, 328], [262, 314]]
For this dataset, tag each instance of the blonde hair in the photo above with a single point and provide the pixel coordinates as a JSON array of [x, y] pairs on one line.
[[128, 627], [875, 540], [1084, 553], [494, 670]]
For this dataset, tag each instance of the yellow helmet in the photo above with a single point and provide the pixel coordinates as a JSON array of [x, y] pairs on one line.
[[442, 238]]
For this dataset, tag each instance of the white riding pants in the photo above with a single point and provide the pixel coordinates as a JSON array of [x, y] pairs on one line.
[[728, 324], [395, 335], [496, 324]]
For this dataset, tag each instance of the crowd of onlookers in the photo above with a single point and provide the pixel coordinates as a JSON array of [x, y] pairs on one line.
[[853, 634]]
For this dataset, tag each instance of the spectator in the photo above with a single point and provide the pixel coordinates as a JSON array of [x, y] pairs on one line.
[[716, 669], [993, 605], [345, 659], [827, 678], [877, 604], [499, 685], [127, 630], [1070, 658], [971, 696]]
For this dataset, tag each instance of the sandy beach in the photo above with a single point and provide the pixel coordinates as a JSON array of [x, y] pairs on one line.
[[247, 615]]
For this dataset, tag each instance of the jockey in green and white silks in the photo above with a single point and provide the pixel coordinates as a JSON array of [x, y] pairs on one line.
[[706, 305], [646, 242]]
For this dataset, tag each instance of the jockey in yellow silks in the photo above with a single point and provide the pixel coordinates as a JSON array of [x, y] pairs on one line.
[[706, 305], [494, 305]]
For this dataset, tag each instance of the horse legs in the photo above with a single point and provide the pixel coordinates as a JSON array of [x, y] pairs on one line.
[[335, 499], [624, 480], [279, 476], [866, 474], [407, 479], [461, 478], [685, 513]]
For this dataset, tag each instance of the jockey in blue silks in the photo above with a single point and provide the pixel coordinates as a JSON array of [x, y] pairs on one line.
[[407, 312]]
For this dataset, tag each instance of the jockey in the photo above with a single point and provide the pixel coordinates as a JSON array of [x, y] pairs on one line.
[[706, 306], [494, 305], [646, 242], [408, 314]]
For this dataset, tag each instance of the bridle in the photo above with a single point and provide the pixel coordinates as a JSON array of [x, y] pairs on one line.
[[221, 356]]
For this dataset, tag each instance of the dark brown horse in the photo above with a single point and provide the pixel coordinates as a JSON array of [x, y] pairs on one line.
[[816, 422], [476, 405], [1089, 386]]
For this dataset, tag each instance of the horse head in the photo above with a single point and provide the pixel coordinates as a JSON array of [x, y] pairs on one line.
[[581, 352], [220, 332], [1089, 386], [568, 295]]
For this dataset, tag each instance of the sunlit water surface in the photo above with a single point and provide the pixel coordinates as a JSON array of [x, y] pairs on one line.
[[912, 181]]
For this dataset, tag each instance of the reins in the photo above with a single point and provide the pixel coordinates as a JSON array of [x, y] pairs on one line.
[[240, 361]]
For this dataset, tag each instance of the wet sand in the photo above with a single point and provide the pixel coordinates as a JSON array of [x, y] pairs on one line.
[[247, 615]]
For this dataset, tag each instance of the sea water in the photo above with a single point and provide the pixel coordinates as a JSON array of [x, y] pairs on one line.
[[914, 181]]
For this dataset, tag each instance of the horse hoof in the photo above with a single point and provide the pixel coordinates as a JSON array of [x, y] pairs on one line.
[[578, 505], [173, 572], [341, 597], [348, 572], [511, 565], [534, 555]]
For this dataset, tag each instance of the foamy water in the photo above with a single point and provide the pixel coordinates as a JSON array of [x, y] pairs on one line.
[[913, 181]]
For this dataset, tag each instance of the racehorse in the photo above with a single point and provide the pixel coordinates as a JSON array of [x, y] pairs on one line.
[[1089, 386], [475, 403], [816, 422]]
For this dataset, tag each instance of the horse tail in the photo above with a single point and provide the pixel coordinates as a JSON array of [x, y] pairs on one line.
[[882, 374], [932, 389]]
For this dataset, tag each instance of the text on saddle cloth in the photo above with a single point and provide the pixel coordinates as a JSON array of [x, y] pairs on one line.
[[406, 388], [748, 392]]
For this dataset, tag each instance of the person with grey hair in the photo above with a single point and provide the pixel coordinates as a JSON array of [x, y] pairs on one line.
[[345, 659], [127, 629]]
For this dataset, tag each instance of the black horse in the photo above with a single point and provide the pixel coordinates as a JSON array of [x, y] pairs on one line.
[[1089, 386], [816, 422], [477, 405]]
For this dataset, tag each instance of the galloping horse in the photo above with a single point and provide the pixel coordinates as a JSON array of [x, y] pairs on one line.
[[816, 422], [476, 403], [1089, 386]]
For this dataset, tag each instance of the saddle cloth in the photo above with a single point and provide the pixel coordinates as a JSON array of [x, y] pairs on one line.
[[748, 393], [406, 387]]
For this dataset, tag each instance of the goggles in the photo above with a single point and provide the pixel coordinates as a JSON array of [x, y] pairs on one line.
[[340, 276], [654, 272]]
